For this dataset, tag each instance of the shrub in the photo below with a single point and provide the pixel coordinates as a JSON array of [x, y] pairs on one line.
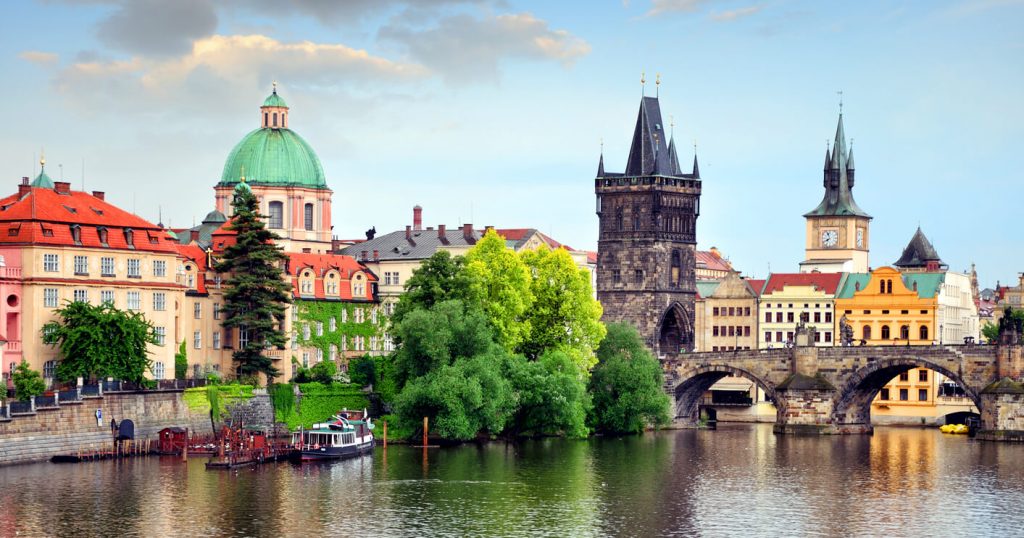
[[27, 382]]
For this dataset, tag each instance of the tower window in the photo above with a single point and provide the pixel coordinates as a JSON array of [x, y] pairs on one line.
[[677, 266], [618, 219], [275, 119], [276, 215], [308, 210], [266, 119]]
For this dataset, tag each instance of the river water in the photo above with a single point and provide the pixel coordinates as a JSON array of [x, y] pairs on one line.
[[738, 480]]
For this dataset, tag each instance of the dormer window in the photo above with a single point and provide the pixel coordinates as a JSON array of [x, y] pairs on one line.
[[129, 237], [76, 234], [47, 232], [102, 232]]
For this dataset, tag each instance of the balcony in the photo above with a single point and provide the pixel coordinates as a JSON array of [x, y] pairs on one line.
[[13, 346], [10, 272]]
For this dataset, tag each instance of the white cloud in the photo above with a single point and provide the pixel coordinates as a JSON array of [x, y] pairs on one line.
[[733, 14], [39, 57], [463, 47], [659, 7]]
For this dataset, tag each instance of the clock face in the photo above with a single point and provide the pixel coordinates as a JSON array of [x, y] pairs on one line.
[[829, 238], [860, 237]]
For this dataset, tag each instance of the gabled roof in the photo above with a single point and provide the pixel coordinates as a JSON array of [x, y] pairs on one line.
[[828, 283], [45, 217], [650, 152], [706, 259], [756, 285], [321, 265], [918, 252], [518, 236], [421, 244], [197, 255]]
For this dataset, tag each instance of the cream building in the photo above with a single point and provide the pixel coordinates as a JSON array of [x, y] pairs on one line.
[[788, 298]]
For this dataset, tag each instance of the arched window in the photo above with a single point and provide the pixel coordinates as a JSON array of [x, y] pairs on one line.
[[677, 266], [881, 287], [866, 333], [618, 219], [885, 332], [266, 119], [888, 287], [308, 214], [636, 218], [924, 332], [275, 119], [277, 215], [905, 332]]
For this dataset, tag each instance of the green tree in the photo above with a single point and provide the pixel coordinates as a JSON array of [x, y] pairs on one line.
[[256, 292], [564, 315], [324, 372], [434, 338], [991, 330], [96, 341], [181, 362], [27, 382], [550, 398], [441, 277], [499, 282], [362, 371], [626, 385]]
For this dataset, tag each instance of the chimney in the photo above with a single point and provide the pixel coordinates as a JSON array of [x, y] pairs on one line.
[[363, 256], [440, 232], [24, 188], [417, 218], [408, 233], [24, 180], [194, 235], [99, 194], [467, 231], [62, 187], [376, 255]]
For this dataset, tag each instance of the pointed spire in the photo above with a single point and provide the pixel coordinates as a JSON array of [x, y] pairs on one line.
[[696, 170], [828, 156], [849, 157], [673, 158], [838, 179], [600, 165]]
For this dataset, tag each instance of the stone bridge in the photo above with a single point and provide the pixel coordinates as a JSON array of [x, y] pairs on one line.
[[830, 389]]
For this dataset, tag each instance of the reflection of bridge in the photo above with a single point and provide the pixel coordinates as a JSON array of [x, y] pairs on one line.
[[830, 389]]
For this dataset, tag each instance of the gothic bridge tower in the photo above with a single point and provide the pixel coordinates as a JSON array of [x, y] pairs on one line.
[[647, 238]]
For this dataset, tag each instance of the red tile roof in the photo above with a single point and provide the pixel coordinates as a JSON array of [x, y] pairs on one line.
[[198, 256], [519, 234], [756, 285], [591, 256], [712, 261], [346, 266], [44, 217], [827, 282]]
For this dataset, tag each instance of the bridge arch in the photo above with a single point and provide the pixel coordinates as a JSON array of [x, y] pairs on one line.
[[853, 399], [674, 331], [694, 382]]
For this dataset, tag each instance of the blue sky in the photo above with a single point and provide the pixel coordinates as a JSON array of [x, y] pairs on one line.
[[493, 111]]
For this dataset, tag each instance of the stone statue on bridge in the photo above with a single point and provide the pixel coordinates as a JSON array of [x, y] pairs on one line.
[[845, 332]]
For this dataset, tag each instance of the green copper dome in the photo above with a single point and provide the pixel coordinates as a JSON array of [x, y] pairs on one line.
[[274, 100], [42, 180], [274, 157]]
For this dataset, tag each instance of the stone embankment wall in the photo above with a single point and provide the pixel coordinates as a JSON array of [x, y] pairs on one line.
[[256, 410], [73, 427]]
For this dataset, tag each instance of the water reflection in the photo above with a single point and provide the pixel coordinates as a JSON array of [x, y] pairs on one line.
[[737, 480]]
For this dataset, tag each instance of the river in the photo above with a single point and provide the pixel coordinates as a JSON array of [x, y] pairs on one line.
[[738, 480]]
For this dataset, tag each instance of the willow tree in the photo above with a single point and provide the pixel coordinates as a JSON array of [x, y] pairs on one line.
[[256, 292]]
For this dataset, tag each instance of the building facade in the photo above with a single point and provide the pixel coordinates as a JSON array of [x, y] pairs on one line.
[[789, 299], [647, 238], [726, 315]]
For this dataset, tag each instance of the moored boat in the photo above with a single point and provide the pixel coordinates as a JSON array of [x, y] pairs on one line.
[[347, 435]]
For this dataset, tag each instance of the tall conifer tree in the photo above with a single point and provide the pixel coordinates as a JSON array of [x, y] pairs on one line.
[[256, 292]]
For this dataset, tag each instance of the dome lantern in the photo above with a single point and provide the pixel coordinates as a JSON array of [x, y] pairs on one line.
[[274, 112]]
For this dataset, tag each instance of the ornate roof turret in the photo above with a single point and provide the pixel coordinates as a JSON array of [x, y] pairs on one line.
[[652, 152], [600, 166], [673, 158], [42, 180], [838, 181], [920, 254], [696, 171]]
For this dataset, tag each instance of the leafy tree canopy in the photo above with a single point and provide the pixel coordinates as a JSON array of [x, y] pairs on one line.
[[549, 397], [991, 330], [97, 341], [256, 292], [27, 382], [181, 362], [499, 282], [433, 338], [440, 278], [626, 385]]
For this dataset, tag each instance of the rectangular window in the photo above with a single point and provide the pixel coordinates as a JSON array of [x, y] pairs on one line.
[[197, 340], [732, 311], [905, 376], [51, 263], [828, 337], [106, 266], [778, 317], [161, 334], [714, 331], [817, 317], [778, 336], [922, 375], [922, 395], [616, 276], [82, 265], [638, 276], [333, 324], [828, 317], [732, 331], [159, 301], [216, 310], [134, 300], [243, 338], [817, 336], [50, 297], [158, 370], [789, 317], [159, 268], [197, 310], [134, 268], [746, 330], [767, 317], [107, 296], [746, 311], [81, 296], [216, 339], [714, 311], [319, 328], [276, 215], [884, 395], [904, 395], [789, 336], [305, 331]]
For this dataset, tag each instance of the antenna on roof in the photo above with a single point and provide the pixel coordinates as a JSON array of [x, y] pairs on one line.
[[61, 167], [643, 82], [657, 84]]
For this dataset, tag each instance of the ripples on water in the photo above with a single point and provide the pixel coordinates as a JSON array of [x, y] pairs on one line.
[[739, 480]]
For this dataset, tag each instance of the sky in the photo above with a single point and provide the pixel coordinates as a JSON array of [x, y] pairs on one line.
[[494, 111]]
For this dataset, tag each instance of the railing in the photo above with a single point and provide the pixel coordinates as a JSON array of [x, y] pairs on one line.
[[5, 412], [25, 408], [69, 396], [13, 346], [91, 390], [46, 401], [10, 272]]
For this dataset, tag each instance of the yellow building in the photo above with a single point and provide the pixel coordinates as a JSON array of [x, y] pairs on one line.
[[725, 315], [885, 307]]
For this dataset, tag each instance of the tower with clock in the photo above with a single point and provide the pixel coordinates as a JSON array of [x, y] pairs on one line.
[[838, 229]]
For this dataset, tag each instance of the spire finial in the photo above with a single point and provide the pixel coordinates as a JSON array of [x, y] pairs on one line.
[[274, 84], [672, 125], [602, 145], [42, 158], [657, 84], [643, 83], [840, 94], [242, 177]]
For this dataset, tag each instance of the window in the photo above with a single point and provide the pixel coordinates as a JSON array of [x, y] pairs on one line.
[[159, 268], [732, 331], [905, 376], [866, 333], [216, 339], [922, 395], [922, 375], [51, 263], [884, 395], [714, 331], [305, 331], [373, 343], [828, 336], [158, 370], [885, 332], [904, 332], [373, 316], [107, 296], [778, 336], [50, 297], [767, 317], [216, 310], [129, 237], [789, 317], [276, 215], [817, 317], [746, 331], [389, 344], [904, 395], [334, 353], [161, 334], [828, 317], [81, 296], [789, 336], [134, 300], [332, 324], [159, 301], [134, 268], [638, 276], [197, 340], [243, 338], [732, 311], [817, 336], [82, 265], [923, 332], [778, 317], [714, 311], [107, 266], [197, 310], [308, 216], [677, 265], [49, 369], [344, 316], [616, 276], [319, 328], [102, 232], [767, 336]]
